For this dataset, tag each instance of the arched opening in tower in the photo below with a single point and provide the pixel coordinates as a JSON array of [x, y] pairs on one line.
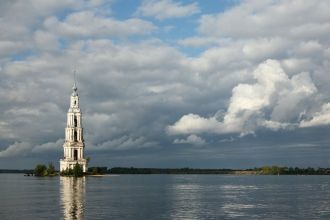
[[75, 154], [75, 135], [75, 121]]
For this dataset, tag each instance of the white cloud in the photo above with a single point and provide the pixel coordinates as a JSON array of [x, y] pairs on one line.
[[275, 125], [258, 49], [191, 139], [269, 19], [194, 124], [199, 41], [125, 143], [164, 9], [87, 24], [46, 41], [275, 101], [24, 148], [49, 146], [5, 131], [11, 47], [18, 148], [319, 118], [309, 48], [19, 19]]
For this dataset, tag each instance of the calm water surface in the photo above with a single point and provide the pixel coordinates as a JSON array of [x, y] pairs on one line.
[[165, 197]]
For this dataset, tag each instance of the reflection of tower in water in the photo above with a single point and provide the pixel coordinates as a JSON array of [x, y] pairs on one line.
[[73, 197]]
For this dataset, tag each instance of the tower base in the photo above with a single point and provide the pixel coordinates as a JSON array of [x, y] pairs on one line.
[[69, 164]]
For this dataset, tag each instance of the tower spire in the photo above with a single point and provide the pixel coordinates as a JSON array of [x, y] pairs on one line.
[[74, 88], [74, 77]]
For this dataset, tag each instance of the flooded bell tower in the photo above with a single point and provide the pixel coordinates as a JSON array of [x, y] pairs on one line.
[[74, 145]]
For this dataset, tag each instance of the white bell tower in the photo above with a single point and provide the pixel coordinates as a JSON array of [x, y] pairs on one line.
[[74, 140]]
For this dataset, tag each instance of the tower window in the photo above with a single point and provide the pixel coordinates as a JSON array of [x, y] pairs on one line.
[[75, 121], [75, 155], [75, 136]]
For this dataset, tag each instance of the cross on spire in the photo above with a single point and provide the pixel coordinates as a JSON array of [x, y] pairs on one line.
[[74, 88]]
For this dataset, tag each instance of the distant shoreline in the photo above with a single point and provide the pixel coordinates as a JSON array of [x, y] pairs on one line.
[[265, 170]]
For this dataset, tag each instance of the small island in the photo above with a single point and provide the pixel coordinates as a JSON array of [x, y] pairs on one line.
[[42, 170]]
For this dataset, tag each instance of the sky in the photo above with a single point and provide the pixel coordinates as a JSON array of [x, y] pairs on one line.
[[202, 84]]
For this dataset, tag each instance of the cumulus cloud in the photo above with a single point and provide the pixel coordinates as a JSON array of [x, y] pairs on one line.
[[11, 47], [87, 24], [319, 118], [25, 148], [46, 41], [17, 148], [165, 9], [19, 19], [194, 124], [253, 31], [5, 132], [107, 106], [199, 41], [49, 146], [191, 139], [125, 143], [275, 101], [269, 18]]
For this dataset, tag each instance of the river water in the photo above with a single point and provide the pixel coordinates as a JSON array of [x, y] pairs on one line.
[[165, 197]]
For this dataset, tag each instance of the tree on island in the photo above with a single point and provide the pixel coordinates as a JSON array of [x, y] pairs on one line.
[[42, 170], [51, 169], [77, 171]]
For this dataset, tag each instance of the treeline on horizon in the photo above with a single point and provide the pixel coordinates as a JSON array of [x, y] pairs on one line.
[[277, 170], [265, 170], [133, 170]]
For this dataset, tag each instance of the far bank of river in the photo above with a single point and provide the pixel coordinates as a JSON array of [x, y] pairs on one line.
[[265, 170]]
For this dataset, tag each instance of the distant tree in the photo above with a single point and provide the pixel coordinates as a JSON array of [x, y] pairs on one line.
[[50, 169], [94, 170], [275, 170], [40, 170], [97, 170], [266, 170]]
